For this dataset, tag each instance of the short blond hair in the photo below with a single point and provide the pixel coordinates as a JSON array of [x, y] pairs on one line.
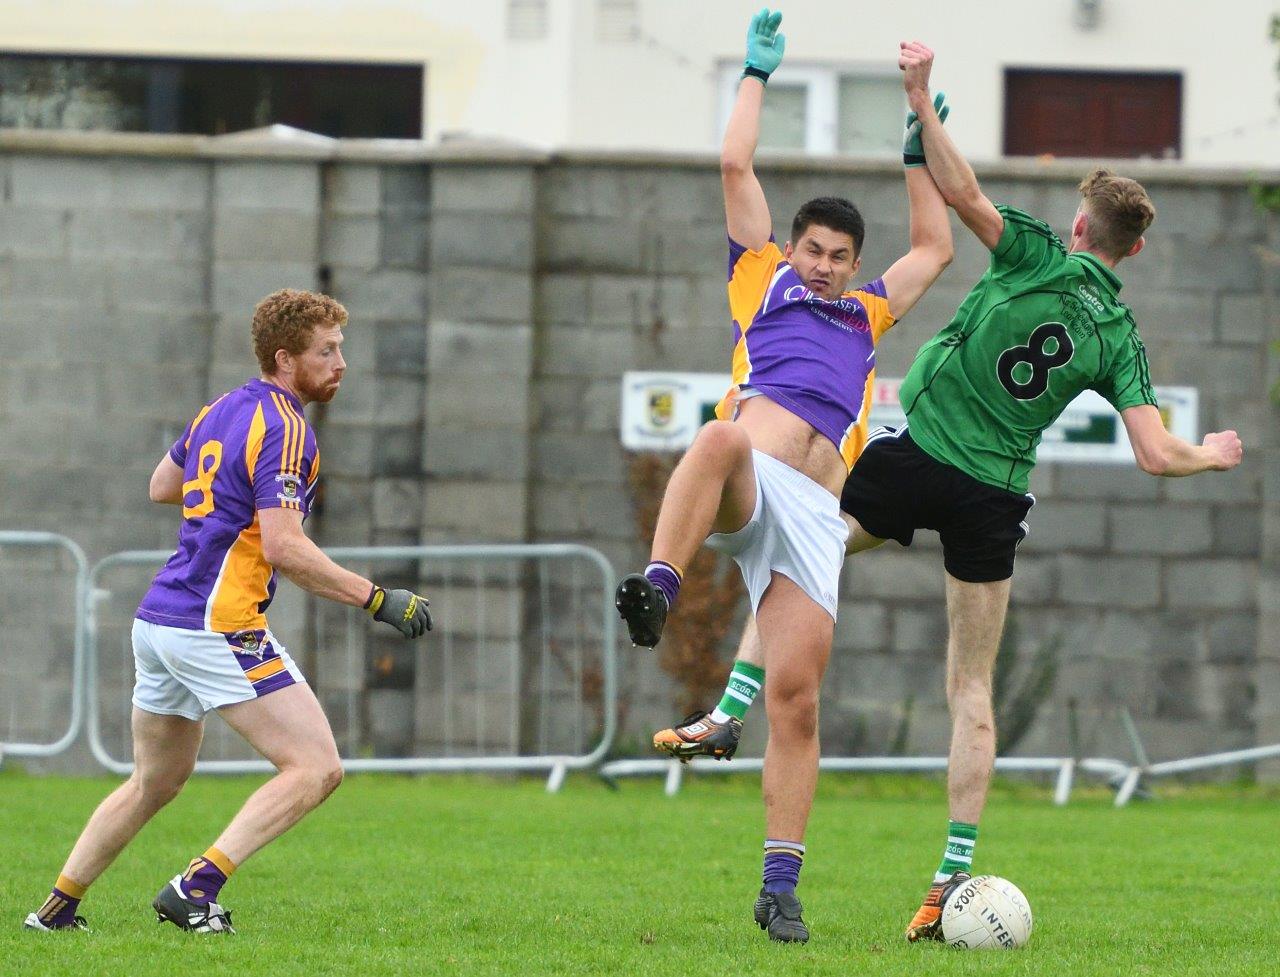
[[1119, 212], [286, 319]]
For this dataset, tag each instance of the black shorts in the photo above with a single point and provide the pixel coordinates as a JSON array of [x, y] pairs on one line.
[[896, 488]]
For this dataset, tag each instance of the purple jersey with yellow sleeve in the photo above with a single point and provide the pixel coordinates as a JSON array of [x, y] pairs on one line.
[[250, 449], [814, 357]]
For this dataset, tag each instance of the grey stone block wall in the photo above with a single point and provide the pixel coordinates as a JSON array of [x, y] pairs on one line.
[[495, 303]]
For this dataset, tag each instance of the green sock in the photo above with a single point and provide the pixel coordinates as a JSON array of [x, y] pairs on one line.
[[958, 855], [744, 685]]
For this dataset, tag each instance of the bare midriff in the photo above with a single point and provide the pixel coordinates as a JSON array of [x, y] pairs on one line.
[[793, 441]]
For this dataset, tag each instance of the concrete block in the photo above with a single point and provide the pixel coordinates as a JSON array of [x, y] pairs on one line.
[[606, 512], [1212, 584], [383, 293], [1242, 318], [478, 347], [562, 299], [59, 181], [352, 189], [601, 407], [397, 503], [601, 192], [559, 404], [79, 283], [1232, 639], [862, 626], [1035, 579], [472, 293], [353, 241], [492, 242], [578, 352], [406, 189], [1232, 265], [556, 513], [397, 449], [478, 402], [272, 185], [475, 454], [594, 244], [1179, 316], [919, 629], [401, 348], [161, 184], [282, 235], [1120, 483], [1194, 212], [475, 511], [1114, 581], [28, 231], [1167, 530], [485, 189], [347, 450], [406, 241], [1237, 531], [158, 285], [95, 233], [587, 458], [1212, 368], [1060, 526], [894, 573], [238, 286]]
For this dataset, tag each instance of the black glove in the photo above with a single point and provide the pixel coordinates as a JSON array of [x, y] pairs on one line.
[[403, 609]]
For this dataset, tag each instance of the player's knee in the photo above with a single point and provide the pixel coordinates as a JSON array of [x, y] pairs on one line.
[[323, 777], [157, 790], [722, 441], [793, 708]]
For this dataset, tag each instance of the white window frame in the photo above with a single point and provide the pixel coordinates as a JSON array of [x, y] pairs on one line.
[[822, 88]]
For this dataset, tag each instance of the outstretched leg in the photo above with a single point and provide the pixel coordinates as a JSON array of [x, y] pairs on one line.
[[712, 490], [289, 728], [164, 754], [975, 618]]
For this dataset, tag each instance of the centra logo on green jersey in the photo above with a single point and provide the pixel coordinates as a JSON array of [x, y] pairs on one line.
[[1091, 298]]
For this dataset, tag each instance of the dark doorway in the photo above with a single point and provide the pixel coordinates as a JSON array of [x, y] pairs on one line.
[[1092, 113]]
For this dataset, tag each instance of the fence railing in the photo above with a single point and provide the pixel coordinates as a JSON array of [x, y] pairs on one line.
[[519, 673], [54, 609]]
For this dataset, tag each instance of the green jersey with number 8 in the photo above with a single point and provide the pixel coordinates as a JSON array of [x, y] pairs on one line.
[[1040, 326]]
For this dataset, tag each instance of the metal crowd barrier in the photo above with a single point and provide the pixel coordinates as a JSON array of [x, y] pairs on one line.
[[519, 673], [1065, 768], [75, 715]]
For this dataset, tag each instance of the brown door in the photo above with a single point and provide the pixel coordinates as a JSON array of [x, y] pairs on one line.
[[1088, 113]]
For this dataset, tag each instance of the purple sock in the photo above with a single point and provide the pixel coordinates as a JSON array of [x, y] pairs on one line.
[[202, 881], [782, 861], [666, 578], [59, 909]]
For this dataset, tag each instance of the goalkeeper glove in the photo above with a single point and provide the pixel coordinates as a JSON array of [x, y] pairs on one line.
[[912, 144], [404, 610], [764, 45]]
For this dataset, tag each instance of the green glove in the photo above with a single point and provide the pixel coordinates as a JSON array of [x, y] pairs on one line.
[[402, 609], [764, 45], [912, 144]]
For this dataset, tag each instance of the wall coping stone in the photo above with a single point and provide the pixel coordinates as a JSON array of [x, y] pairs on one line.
[[496, 152]]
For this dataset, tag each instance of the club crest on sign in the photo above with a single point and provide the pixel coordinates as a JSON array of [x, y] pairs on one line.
[[662, 407]]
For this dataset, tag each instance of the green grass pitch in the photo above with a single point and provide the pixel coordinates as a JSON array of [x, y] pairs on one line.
[[398, 875]]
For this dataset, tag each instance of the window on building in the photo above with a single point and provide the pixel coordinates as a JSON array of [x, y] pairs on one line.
[[208, 97], [821, 109], [1092, 113]]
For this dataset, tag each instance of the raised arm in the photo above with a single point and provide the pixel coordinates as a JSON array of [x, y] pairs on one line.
[[930, 229], [745, 209], [950, 170], [1160, 453]]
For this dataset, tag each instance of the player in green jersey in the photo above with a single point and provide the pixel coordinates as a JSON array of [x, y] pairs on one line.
[[1043, 324]]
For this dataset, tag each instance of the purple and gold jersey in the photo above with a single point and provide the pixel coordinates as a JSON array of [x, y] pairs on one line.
[[813, 357], [250, 449]]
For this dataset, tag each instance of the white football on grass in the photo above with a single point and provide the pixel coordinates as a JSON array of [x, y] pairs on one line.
[[987, 912]]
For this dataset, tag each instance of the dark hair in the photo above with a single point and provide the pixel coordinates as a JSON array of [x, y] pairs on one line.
[[833, 212]]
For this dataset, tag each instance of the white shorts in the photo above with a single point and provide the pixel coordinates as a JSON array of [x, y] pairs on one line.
[[187, 673], [795, 530]]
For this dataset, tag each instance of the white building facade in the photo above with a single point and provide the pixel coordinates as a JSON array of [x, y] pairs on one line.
[[1025, 76]]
